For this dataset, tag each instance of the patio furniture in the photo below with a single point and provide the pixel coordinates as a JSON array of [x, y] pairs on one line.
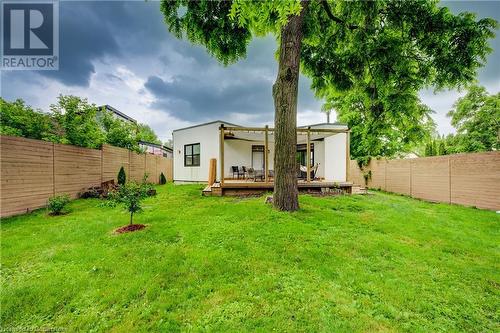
[[245, 171], [251, 173], [237, 172], [259, 174]]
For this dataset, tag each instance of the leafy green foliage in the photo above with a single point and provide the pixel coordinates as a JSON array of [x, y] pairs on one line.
[[57, 203], [72, 120], [476, 116], [207, 23], [163, 179], [369, 59], [19, 119], [77, 120], [119, 133], [345, 264], [146, 133], [122, 177], [130, 195], [401, 128]]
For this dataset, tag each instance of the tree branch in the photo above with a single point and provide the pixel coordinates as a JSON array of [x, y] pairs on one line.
[[334, 18]]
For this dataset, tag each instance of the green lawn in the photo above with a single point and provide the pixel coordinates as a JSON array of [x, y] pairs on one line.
[[355, 263]]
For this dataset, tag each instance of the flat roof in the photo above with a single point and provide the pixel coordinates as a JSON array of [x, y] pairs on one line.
[[147, 143], [323, 124], [121, 114], [204, 124], [228, 123]]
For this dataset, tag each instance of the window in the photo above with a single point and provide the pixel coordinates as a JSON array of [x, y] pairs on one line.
[[192, 155], [302, 153], [258, 157]]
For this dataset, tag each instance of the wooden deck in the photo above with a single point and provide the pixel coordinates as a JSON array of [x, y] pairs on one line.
[[245, 187]]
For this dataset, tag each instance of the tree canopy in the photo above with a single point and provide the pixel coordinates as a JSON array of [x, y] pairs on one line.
[[476, 116], [378, 52], [72, 120]]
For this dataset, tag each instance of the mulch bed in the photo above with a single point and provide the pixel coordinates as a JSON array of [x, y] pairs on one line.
[[130, 228]]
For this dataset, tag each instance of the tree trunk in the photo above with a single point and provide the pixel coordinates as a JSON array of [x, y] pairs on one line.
[[285, 91], [131, 217]]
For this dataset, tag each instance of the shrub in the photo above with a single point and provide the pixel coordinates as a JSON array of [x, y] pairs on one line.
[[149, 187], [163, 180], [130, 196], [122, 177], [57, 203]]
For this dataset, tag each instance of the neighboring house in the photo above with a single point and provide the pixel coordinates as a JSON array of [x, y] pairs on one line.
[[118, 114], [194, 147], [156, 149]]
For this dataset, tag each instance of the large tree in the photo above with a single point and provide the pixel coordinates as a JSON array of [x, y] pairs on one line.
[[390, 49], [476, 116], [76, 121], [404, 125]]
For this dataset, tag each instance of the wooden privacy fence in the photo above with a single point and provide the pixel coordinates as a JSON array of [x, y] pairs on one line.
[[33, 170], [466, 179]]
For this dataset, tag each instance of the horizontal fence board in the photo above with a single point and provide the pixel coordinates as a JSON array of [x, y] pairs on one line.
[[479, 188], [471, 179], [32, 170], [431, 178], [398, 176]]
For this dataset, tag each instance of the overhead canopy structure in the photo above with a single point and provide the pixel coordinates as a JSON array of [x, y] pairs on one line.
[[304, 135]]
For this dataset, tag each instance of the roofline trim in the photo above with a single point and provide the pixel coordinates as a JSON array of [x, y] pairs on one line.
[[322, 124], [118, 112], [204, 124]]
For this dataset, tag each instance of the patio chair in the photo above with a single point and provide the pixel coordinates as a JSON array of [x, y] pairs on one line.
[[314, 171], [245, 171], [237, 172], [251, 173]]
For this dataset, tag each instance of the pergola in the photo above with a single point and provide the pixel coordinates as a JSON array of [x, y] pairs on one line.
[[268, 131]]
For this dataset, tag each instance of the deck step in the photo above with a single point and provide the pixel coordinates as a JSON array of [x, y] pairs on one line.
[[359, 190]]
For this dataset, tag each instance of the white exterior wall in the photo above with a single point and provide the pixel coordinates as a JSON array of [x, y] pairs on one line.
[[319, 157], [329, 153], [335, 158], [239, 153], [208, 138]]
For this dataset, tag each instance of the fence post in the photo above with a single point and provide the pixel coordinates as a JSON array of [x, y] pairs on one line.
[[102, 169], [411, 178], [449, 177], [385, 175], [53, 169]]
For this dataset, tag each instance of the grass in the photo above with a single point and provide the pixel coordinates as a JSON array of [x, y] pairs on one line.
[[355, 263]]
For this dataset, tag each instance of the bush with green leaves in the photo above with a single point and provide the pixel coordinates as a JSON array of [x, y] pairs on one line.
[[122, 177], [57, 203], [163, 180], [130, 196]]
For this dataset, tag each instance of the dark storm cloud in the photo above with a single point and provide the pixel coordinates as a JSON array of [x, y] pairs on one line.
[[189, 98], [185, 81], [206, 90], [92, 31]]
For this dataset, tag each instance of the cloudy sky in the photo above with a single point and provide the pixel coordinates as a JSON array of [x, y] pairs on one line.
[[120, 53]]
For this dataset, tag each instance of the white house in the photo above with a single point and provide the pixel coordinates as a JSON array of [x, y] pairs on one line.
[[194, 146]]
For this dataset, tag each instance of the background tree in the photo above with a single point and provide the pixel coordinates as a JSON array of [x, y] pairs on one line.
[[119, 133], [19, 119], [476, 116], [389, 49], [76, 118], [72, 120], [146, 133], [327, 108], [405, 126]]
